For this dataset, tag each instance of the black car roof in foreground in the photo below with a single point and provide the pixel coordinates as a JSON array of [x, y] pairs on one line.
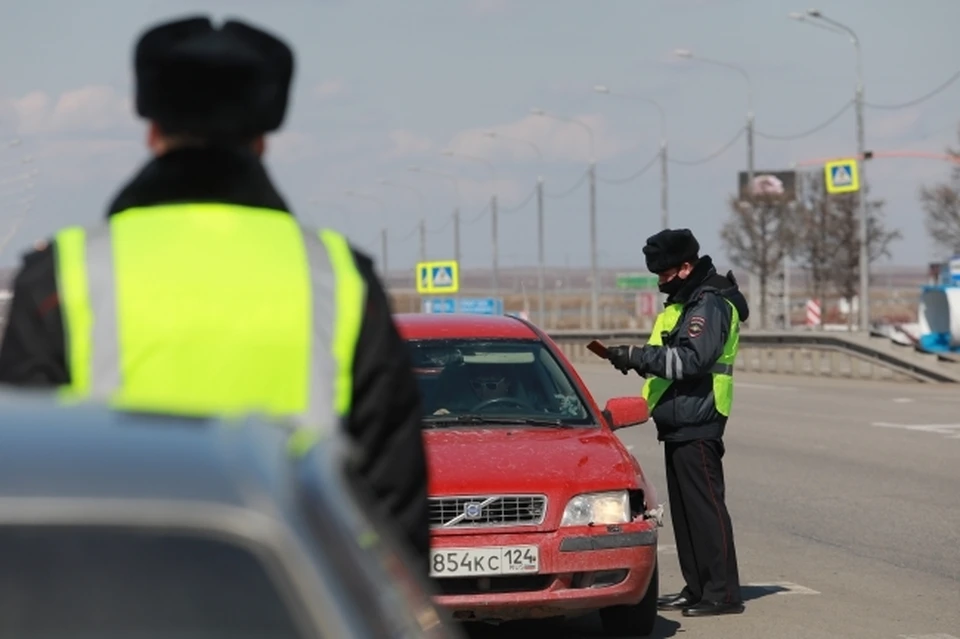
[[82, 453]]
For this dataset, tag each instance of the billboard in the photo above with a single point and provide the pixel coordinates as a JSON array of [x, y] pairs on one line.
[[782, 183]]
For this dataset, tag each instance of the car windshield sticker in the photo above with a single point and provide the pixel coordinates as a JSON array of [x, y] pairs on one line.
[[569, 405]]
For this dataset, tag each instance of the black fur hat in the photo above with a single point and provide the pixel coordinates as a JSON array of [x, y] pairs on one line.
[[194, 78], [670, 248]]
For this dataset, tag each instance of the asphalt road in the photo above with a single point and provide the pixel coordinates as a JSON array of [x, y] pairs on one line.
[[845, 499]]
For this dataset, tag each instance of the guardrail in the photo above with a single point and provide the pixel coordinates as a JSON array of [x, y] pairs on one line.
[[836, 355]]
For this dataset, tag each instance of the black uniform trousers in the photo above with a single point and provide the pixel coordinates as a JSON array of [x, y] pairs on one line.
[[701, 523]]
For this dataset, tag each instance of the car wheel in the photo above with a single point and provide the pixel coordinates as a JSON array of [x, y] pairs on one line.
[[637, 620]]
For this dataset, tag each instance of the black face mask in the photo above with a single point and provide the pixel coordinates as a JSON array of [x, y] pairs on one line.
[[672, 287]]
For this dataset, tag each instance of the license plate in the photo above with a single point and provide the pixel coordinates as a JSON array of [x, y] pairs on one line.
[[486, 561]]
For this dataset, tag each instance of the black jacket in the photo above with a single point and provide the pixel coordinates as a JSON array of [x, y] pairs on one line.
[[687, 411], [386, 418]]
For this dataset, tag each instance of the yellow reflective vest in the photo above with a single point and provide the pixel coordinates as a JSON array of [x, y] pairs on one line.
[[210, 309], [721, 372]]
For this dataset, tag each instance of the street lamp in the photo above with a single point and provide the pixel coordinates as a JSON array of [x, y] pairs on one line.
[[456, 211], [383, 230], [689, 55], [494, 221], [541, 250], [423, 208], [664, 210], [592, 173], [815, 18]]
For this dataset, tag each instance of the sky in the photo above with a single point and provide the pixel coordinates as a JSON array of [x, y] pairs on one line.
[[382, 86]]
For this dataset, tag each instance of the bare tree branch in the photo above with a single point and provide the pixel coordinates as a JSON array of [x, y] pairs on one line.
[[941, 203], [757, 237]]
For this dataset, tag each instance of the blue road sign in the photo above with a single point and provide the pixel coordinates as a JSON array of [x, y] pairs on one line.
[[439, 305], [481, 305]]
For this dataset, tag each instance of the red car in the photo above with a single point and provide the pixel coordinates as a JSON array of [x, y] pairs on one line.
[[537, 509]]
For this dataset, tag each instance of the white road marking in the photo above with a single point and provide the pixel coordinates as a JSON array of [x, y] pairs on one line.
[[939, 635], [764, 386], [667, 549], [784, 588], [629, 446], [902, 400], [951, 431]]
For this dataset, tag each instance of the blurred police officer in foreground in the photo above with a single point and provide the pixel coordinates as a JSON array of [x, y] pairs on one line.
[[689, 360], [200, 294]]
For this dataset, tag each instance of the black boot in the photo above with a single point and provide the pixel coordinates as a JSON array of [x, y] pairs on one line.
[[676, 602]]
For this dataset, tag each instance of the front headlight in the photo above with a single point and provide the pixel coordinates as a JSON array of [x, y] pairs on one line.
[[597, 508]]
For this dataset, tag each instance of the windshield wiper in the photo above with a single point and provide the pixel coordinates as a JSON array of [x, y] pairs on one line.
[[491, 419]]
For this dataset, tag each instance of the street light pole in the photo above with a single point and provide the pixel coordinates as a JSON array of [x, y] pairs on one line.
[[493, 215], [541, 251], [664, 190], [686, 53], [383, 230], [423, 208], [592, 176], [456, 211], [837, 27]]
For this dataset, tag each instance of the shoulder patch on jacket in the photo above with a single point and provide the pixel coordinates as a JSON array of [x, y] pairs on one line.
[[696, 325]]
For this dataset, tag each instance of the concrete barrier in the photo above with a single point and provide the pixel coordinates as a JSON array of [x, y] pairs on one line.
[[847, 356]]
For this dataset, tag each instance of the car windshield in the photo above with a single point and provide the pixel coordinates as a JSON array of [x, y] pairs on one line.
[[64, 582], [490, 381]]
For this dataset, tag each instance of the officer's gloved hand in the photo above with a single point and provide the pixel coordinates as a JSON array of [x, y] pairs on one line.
[[620, 358]]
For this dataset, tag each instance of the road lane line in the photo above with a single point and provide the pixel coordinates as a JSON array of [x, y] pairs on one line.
[[950, 431]]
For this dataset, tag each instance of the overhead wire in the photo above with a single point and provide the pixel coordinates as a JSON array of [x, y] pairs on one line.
[[713, 156], [646, 167], [569, 191], [816, 129], [923, 98], [478, 216], [519, 207]]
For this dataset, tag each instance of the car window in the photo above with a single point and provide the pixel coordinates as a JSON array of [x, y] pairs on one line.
[[122, 584], [496, 378]]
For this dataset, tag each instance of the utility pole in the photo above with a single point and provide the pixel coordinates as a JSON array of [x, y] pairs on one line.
[[456, 248], [423, 240], [664, 209], [541, 259], [594, 270], [383, 251], [496, 251]]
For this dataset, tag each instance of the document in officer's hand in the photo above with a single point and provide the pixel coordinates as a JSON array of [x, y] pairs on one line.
[[597, 348]]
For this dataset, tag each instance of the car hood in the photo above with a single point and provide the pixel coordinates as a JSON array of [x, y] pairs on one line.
[[556, 462]]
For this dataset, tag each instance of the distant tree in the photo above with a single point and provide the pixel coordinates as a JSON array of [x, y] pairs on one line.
[[826, 240], [814, 241], [757, 237], [941, 203]]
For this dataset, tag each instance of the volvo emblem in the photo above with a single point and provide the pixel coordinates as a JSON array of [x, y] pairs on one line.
[[472, 510]]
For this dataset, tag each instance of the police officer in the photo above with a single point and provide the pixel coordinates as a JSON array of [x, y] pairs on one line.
[[689, 363], [201, 294]]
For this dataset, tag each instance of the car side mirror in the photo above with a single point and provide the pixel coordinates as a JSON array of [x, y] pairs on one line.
[[626, 411]]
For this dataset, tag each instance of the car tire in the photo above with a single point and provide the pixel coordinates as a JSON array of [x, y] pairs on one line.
[[637, 620]]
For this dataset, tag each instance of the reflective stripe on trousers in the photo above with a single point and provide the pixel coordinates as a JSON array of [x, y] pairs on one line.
[[87, 281]]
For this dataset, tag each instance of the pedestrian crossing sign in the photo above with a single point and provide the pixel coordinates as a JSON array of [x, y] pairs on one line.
[[841, 176], [438, 277]]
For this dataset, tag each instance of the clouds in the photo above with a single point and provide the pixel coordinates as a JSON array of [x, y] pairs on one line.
[[87, 109], [405, 143], [556, 139]]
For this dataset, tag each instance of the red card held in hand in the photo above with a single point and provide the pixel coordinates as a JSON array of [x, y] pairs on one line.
[[597, 348]]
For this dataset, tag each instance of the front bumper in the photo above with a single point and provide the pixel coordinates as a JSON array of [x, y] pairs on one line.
[[581, 569]]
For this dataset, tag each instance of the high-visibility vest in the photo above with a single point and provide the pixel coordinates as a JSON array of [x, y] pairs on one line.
[[210, 310], [722, 371]]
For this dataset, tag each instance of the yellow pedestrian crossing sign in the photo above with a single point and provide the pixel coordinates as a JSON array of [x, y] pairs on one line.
[[438, 277], [841, 176]]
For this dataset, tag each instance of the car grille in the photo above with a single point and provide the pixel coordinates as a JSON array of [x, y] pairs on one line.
[[484, 511]]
